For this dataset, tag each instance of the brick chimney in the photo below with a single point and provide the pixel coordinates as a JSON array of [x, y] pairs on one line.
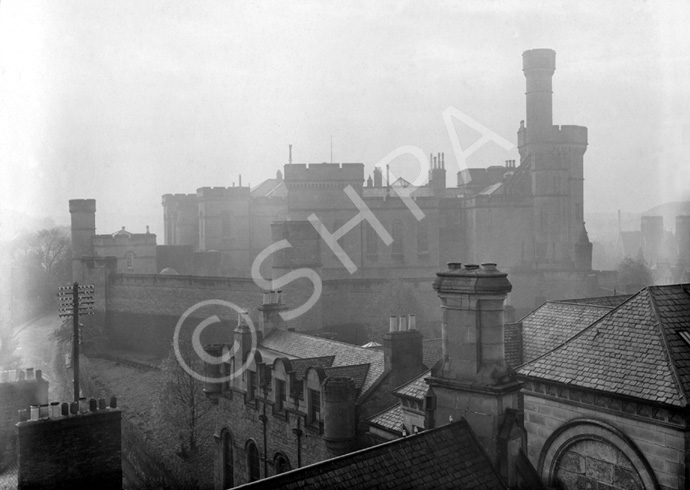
[[402, 344]]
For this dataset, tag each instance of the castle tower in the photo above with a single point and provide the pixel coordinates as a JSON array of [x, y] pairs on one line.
[[683, 238], [83, 214], [555, 156], [474, 381]]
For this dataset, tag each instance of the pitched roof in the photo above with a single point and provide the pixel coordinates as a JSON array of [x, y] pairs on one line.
[[300, 366], [390, 419], [358, 373], [634, 350], [447, 457], [555, 322], [610, 301], [270, 188], [306, 346], [416, 388]]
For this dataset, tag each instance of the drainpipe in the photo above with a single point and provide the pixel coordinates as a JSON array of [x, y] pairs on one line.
[[263, 420], [298, 433]]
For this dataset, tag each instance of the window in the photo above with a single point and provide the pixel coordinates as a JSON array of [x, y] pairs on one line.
[[422, 238], [253, 465], [281, 464], [228, 466], [251, 385], [372, 241], [314, 406], [397, 234], [225, 223], [280, 397], [129, 260]]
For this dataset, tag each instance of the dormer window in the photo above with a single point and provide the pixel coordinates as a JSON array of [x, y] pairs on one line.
[[280, 395], [314, 406]]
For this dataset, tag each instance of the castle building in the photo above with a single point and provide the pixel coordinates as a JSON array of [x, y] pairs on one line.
[[527, 215]]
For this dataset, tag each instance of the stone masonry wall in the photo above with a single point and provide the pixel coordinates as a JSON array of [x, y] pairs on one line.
[[244, 423], [662, 445]]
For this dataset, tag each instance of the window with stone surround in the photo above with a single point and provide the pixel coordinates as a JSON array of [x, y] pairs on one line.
[[314, 406], [253, 463], [129, 260]]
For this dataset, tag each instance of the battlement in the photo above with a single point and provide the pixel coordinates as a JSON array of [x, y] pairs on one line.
[[124, 238], [82, 206], [223, 193], [570, 134], [539, 59], [169, 199], [345, 173]]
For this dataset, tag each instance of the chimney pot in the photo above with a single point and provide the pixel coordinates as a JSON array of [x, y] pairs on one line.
[[64, 408], [34, 412], [93, 405], [411, 322], [30, 373], [82, 405], [471, 267], [489, 266], [55, 410], [74, 408], [22, 415], [392, 323], [402, 322], [113, 402], [454, 265]]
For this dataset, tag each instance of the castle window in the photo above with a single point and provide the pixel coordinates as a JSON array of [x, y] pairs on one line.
[[371, 240], [314, 406], [225, 223], [397, 234], [281, 464], [280, 397], [228, 464], [129, 260], [422, 238], [253, 465]]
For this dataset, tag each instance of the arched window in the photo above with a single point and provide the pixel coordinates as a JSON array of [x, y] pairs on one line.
[[129, 260], [397, 234], [281, 464], [253, 465], [372, 239], [228, 466]]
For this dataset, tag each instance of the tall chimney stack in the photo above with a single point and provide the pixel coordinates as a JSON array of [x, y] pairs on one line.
[[538, 66]]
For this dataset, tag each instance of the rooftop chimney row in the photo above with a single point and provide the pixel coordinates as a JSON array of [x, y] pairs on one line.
[[402, 323]]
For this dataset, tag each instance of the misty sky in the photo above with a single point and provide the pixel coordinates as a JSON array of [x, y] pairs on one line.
[[125, 101]]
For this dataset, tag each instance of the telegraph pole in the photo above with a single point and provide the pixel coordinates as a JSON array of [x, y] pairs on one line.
[[74, 300]]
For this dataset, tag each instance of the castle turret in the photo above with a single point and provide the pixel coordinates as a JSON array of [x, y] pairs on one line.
[[339, 429], [83, 213], [538, 66]]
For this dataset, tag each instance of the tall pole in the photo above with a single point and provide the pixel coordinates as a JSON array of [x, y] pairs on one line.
[[75, 338]]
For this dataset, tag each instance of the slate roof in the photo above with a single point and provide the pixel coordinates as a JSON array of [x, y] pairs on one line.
[[306, 346], [634, 350], [300, 366], [390, 419], [446, 457], [358, 373], [416, 388], [431, 352], [270, 188], [609, 301], [555, 322]]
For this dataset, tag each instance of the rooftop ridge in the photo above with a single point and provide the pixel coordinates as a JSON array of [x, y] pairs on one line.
[[275, 332], [664, 341]]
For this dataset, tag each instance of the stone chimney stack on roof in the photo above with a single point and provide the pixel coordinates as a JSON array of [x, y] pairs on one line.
[[270, 309], [472, 299]]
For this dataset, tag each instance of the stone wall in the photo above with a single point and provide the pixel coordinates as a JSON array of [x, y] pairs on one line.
[[243, 421], [584, 438], [75, 451]]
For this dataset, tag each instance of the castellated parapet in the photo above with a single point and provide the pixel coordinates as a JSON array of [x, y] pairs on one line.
[[70, 445], [208, 193], [324, 174]]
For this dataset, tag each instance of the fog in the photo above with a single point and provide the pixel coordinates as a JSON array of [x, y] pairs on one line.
[[126, 101]]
